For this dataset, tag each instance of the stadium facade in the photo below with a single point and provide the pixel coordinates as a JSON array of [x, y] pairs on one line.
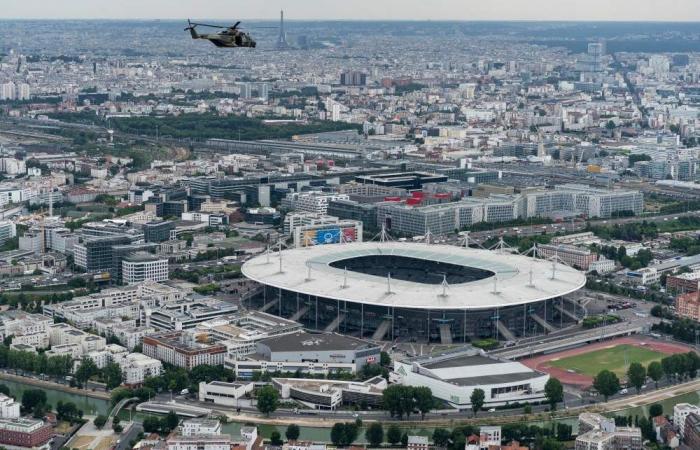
[[415, 291]]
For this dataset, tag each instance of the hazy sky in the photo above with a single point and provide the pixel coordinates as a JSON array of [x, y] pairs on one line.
[[656, 10]]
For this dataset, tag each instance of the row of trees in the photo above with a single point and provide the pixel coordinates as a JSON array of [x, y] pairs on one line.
[[58, 366], [681, 329], [163, 425], [678, 366], [402, 400], [540, 437]]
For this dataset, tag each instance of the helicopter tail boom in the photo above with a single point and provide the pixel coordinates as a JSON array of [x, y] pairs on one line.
[[191, 28]]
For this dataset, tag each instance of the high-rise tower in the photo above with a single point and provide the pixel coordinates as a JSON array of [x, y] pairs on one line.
[[282, 39]]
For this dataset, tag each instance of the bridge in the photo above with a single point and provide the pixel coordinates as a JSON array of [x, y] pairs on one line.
[[561, 342], [118, 407], [179, 409]]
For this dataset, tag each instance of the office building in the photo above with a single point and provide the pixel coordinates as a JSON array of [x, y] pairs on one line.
[[403, 180], [96, 253], [313, 202], [573, 256], [597, 432], [330, 394], [187, 313], [158, 231], [141, 266], [302, 352], [223, 393], [343, 231], [353, 210], [7, 231], [683, 283], [353, 78]]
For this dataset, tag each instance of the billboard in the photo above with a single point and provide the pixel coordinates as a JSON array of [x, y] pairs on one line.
[[328, 235]]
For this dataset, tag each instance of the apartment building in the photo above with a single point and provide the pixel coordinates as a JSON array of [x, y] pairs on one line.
[[184, 349], [570, 255]]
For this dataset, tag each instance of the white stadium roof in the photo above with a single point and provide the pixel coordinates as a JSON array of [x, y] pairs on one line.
[[513, 275]]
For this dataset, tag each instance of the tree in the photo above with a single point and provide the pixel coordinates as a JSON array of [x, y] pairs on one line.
[[606, 383], [636, 375], [101, 420], [276, 439], [33, 399], [292, 433], [343, 434], [384, 359], [477, 400], [393, 434], [391, 400], [338, 433], [656, 410], [553, 392], [563, 432], [423, 400], [171, 421], [351, 432], [655, 372], [268, 398], [151, 424], [112, 375], [68, 411], [375, 434], [4, 390], [86, 370], [441, 437]]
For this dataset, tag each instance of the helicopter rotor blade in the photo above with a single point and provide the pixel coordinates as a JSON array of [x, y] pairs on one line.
[[205, 25]]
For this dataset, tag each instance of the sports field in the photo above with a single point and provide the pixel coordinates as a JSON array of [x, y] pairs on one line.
[[616, 359], [577, 366]]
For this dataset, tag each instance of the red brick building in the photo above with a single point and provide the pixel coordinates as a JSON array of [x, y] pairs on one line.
[[688, 306], [24, 432]]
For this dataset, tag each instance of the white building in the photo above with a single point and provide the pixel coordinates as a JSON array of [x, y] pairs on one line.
[[9, 408], [197, 426], [8, 91], [202, 442], [644, 276], [453, 378], [223, 393], [489, 436], [140, 267], [680, 413], [136, 367], [313, 202], [602, 266]]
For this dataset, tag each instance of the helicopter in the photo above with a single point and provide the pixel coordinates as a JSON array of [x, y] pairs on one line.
[[230, 37]]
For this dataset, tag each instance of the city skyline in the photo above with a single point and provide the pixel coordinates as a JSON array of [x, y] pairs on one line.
[[506, 10]]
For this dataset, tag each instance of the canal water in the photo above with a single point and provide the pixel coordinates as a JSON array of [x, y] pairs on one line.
[[93, 406]]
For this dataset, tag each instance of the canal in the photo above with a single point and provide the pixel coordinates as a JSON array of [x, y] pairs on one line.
[[93, 406]]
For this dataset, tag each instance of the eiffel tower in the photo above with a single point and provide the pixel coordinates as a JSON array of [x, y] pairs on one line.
[[282, 43]]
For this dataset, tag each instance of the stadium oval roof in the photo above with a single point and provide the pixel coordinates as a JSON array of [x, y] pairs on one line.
[[518, 280]]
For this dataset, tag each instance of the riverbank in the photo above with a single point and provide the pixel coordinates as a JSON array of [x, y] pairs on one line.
[[55, 386], [621, 404]]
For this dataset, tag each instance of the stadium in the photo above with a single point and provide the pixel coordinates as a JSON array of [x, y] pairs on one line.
[[412, 291]]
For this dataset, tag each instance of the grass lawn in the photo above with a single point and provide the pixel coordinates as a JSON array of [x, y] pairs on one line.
[[616, 359]]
